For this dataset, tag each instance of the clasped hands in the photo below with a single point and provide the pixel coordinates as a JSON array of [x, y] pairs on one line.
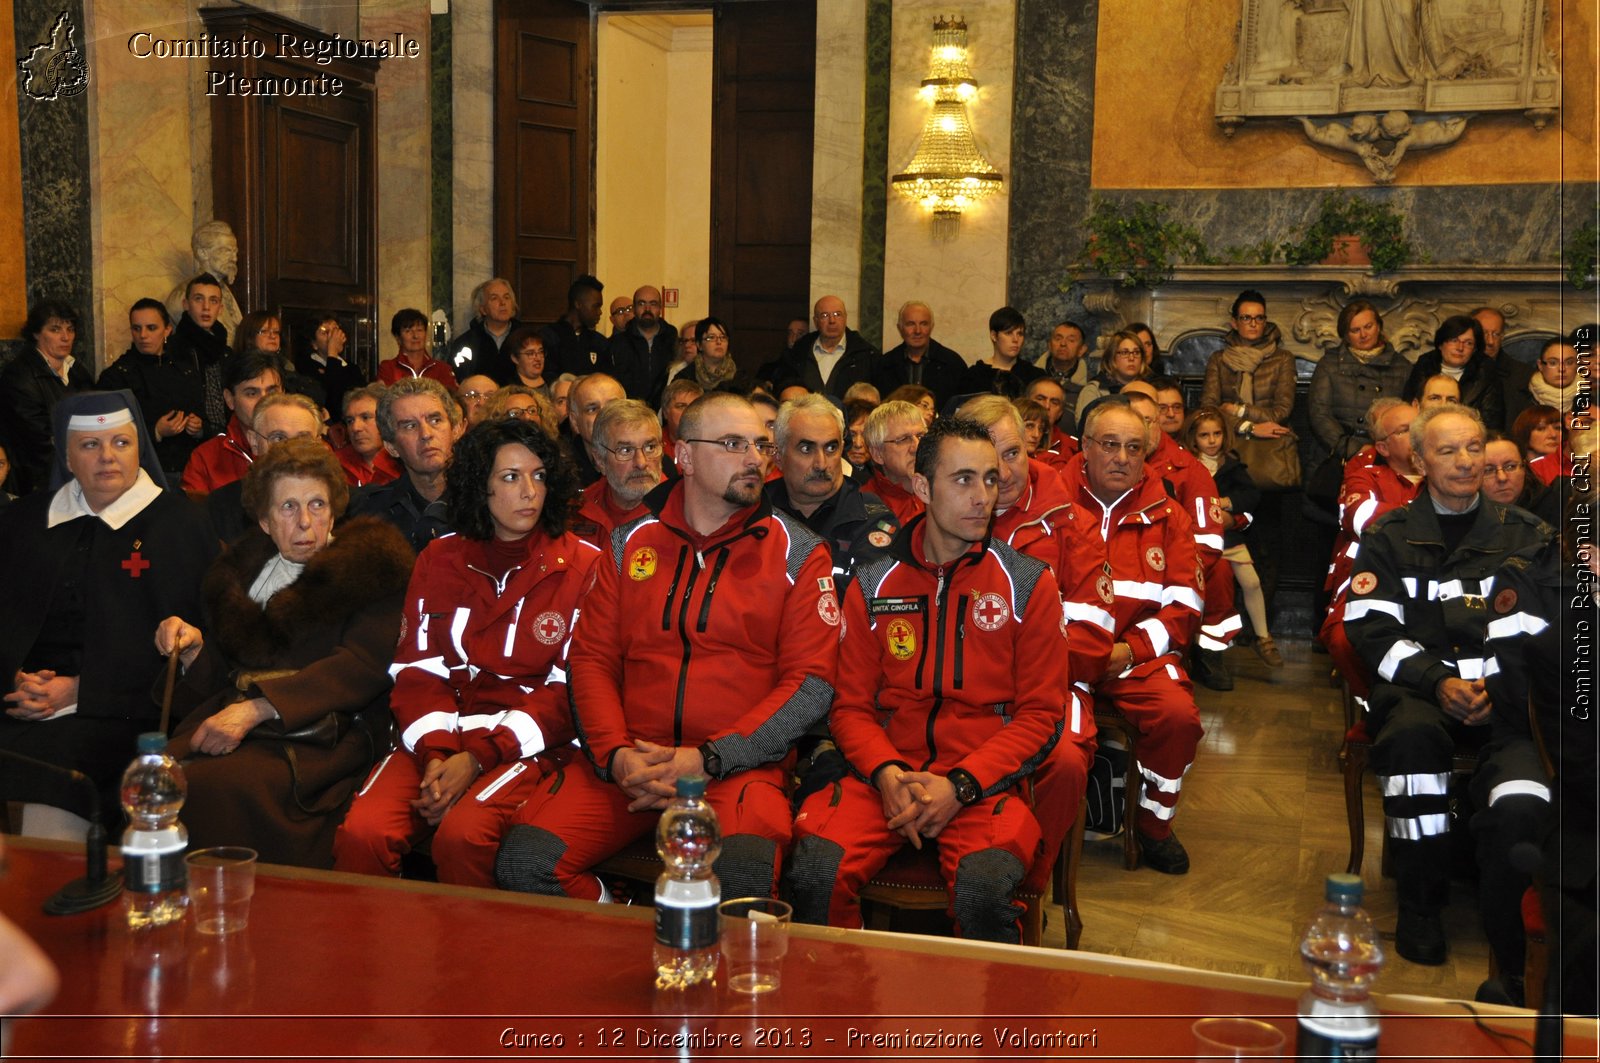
[[916, 804], [649, 773], [1463, 701], [40, 695]]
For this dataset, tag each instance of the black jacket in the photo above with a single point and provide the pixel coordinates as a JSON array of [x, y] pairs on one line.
[[162, 384], [941, 371], [983, 378], [335, 378], [857, 526], [1481, 386], [28, 392], [639, 365], [398, 502], [579, 352], [476, 353], [189, 344], [799, 365]]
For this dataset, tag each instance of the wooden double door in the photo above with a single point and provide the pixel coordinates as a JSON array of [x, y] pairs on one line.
[[764, 56]]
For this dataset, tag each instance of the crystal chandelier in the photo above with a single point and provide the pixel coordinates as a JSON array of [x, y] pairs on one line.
[[948, 172]]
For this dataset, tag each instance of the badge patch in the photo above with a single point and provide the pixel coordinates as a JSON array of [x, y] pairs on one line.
[[549, 628], [1364, 583], [1216, 512], [902, 640], [1156, 559], [642, 565], [825, 584], [1102, 587], [990, 611], [880, 539], [1505, 601], [1355, 497], [828, 608]]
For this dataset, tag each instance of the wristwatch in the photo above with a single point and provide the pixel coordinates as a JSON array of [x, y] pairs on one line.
[[711, 759], [968, 792]]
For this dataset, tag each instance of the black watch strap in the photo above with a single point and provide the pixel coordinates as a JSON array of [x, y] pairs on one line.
[[711, 759], [968, 792]]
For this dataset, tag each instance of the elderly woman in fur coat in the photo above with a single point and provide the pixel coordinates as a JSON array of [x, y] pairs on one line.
[[287, 683]]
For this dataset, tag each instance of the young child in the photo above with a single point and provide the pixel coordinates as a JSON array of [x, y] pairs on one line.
[[1207, 436]]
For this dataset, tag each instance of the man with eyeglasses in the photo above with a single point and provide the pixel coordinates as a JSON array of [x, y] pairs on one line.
[[571, 342], [1170, 410], [325, 362], [641, 352], [892, 432], [829, 359], [625, 443], [1131, 635], [619, 314], [707, 647], [1421, 601], [1390, 478], [589, 395], [420, 424], [473, 395]]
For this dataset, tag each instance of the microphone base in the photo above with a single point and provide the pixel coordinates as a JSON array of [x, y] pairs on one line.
[[84, 895]]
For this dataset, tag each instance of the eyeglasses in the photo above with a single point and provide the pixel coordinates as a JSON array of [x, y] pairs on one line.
[[522, 413], [830, 315], [626, 311], [1134, 449], [1252, 319], [472, 395], [910, 437], [713, 337], [626, 451], [1508, 469], [1170, 407], [738, 445]]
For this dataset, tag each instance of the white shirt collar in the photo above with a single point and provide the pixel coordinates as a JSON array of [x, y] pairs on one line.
[[69, 503]]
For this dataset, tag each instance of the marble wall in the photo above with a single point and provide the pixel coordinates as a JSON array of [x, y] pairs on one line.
[[836, 212], [13, 248], [960, 273], [472, 148], [441, 203], [405, 165], [875, 166]]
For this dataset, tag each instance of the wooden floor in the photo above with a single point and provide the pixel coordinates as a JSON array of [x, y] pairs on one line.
[[1264, 822]]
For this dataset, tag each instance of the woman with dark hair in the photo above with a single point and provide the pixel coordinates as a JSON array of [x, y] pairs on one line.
[[86, 571], [1539, 430], [409, 327], [283, 693], [714, 365], [1251, 379], [480, 694], [1363, 368], [171, 391], [1458, 353], [1154, 363], [525, 347], [260, 331], [32, 383], [1003, 372]]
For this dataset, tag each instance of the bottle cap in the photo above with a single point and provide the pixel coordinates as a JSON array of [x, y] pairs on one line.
[[691, 786], [1344, 889], [152, 742]]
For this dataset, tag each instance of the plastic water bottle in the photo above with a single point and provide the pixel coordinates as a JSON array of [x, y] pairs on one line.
[[688, 840], [153, 876], [1338, 1019]]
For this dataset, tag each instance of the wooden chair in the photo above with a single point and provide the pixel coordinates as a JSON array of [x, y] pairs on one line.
[[1112, 719]]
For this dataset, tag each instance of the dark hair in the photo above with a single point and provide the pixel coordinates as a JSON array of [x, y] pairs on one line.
[[520, 335], [1165, 383], [1557, 341], [306, 457], [1533, 418], [941, 429], [249, 365], [43, 312], [584, 283], [1249, 295], [706, 322], [857, 408], [1348, 314], [404, 319], [1007, 318], [209, 279], [244, 335], [1455, 325], [157, 305], [1155, 344], [466, 487]]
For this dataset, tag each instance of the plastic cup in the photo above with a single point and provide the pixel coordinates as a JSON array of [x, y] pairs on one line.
[[755, 937], [1236, 1038], [221, 882]]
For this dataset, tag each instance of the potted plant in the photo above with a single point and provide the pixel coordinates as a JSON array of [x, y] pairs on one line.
[[1580, 255], [1135, 244], [1343, 221]]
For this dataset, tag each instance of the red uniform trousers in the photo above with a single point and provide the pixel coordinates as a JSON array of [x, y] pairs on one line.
[[1059, 786], [1220, 621], [590, 817], [850, 814], [1345, 658], [1159, 700], [381, 825]]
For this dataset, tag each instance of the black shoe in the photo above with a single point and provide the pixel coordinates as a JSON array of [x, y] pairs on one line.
[[1211, 670], [1166, 855], [1419, 937], [1506, 990]]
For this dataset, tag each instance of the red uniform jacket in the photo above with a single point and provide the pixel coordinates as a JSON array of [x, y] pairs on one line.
[[901, 503], [1030, 525], [730, 638], [1144, 545], [481, 663], [597, 518], [218, 461], [1195, 488], [1548, 467], [1368, 493], [357, 473], [958, 667], [393, 369]]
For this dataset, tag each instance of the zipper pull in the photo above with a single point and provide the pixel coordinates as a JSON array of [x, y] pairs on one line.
[[940, 591], [700, 560]]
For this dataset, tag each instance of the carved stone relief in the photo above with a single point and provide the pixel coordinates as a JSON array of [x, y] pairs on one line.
[[1378, 79]]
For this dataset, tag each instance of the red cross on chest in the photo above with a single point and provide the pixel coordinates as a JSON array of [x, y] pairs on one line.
[[135, 565], [550, 627], [990, 612]]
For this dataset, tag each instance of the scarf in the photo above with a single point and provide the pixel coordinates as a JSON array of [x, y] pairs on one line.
[[275, 575], [1365, 356], [1550, 395], [710, 376], [1245, 359], [210, 347]]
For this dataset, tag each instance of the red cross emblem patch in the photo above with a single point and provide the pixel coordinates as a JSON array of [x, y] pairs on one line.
[[1364, 583], [549, 627], [1156, 559], [990, 611], [1102, 587], [828, 608]]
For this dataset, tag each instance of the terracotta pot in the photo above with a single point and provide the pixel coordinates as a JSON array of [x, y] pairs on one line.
[[1348, 251]]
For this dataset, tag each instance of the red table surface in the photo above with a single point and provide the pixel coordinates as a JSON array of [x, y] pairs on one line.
[[344, 967]]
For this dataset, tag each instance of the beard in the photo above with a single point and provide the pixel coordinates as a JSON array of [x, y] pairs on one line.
[[740, 492]]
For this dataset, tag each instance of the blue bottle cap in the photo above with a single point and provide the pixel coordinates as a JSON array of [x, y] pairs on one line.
[[1344, 889], [152, 742], [691, 786]]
